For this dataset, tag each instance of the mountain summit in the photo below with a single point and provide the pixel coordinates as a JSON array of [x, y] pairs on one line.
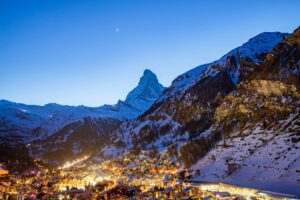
[[147, 91]]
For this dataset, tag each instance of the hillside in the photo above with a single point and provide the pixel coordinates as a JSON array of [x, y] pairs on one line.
[[234, 120]]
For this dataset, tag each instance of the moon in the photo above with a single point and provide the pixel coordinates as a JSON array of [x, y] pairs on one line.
[[117, 30]]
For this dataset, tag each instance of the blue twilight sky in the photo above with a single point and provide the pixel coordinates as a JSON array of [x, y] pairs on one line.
[[94, 52]]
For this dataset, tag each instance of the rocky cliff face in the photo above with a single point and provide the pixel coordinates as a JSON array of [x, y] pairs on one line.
[[283, 63]]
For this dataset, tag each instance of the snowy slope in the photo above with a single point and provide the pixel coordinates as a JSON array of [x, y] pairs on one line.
[[262, 159], [74, 140]]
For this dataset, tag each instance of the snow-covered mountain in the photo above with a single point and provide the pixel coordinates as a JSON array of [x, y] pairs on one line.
[[21, 123], [42, 121]]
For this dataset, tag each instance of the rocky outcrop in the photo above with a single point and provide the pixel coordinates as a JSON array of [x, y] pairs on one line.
[[283, 62]]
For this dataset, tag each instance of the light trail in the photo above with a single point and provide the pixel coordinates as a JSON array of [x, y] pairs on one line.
[[72, 163]]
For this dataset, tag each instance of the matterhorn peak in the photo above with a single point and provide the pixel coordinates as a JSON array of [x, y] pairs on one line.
[[146, 92], [148, 72], [147, 77]]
